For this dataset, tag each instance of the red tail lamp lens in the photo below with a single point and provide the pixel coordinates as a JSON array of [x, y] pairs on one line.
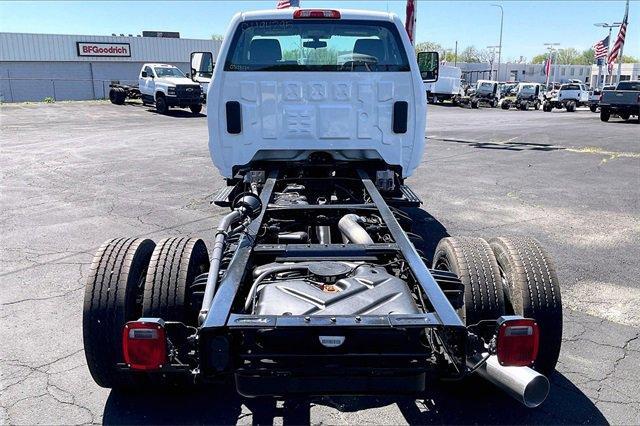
[[517, 342], [144, 345], [316, 14]]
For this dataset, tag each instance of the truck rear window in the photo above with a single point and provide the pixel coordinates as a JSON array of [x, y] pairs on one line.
[[628, 85], [318, 45], [570, 87]]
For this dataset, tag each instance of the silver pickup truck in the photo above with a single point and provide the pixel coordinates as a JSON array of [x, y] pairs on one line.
[[624, 101]]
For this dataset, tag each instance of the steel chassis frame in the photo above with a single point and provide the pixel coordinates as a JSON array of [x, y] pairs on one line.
[[216, 345]]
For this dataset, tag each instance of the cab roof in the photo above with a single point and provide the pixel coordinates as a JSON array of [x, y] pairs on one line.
[[344, 14], [160, 65]]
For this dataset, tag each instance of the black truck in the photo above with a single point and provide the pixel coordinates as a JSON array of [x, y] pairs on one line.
[[624, 101]]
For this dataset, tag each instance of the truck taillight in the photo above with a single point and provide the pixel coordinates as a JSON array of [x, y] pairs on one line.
[[316, 14], [517, 341], [144, 344]]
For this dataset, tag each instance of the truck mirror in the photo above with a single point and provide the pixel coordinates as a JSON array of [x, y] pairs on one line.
[[201, 65], [429, 65], [144, 74]]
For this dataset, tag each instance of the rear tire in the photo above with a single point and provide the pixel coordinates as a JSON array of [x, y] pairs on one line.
[[474, 104], [117, 96], [473, 261], [593, 108], [111, 299], [195, 109], [505, 105], [532, 290], [174, 266], [546, 107], [571, 106], [605, 114]]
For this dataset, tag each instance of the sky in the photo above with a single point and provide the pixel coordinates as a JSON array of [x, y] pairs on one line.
[[527, 24]]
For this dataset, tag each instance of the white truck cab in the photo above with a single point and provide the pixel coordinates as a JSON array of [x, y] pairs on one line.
[[293, 82], [167, 86]]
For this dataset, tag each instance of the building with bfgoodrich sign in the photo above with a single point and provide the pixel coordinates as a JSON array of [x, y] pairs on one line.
[[34, 67]]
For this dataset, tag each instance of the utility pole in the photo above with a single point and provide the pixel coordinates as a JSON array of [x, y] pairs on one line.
[[552, 48], [455, 56], [500, 51], [610, 26]]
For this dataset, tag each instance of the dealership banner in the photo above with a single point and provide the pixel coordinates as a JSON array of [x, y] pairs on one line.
[[103, 49]]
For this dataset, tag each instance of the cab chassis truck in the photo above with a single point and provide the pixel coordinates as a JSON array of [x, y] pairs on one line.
[[314, 284]]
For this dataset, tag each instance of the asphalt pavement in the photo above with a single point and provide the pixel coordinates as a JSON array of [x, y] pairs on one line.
[[75, 174]]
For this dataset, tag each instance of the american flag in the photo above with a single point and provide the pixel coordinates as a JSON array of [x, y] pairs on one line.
[[601, 48], [410, 23], [547, 66], [283, 4], [617, 46]]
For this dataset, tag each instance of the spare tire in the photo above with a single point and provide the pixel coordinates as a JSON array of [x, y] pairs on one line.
[[473, 261], [174, 266], [532, 291], [111, 299]]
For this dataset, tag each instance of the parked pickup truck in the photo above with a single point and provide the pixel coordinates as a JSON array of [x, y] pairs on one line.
[[570, 96], [624, 101], [161, 85]]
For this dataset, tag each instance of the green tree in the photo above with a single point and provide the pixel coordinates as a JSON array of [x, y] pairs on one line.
[[567, 56], [428, 46], [217, 37], [628, 59], [538, 59]]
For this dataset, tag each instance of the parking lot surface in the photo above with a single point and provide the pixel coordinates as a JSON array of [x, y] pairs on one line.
[[76, 174]]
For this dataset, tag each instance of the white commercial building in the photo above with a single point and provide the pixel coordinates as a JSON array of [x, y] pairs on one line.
[[76, 67], [473, 72], [627, 72]]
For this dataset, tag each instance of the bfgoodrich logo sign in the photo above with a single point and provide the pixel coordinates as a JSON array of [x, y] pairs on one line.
[[103, 49]]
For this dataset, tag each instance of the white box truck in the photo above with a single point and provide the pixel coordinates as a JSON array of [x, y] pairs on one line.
[[448, 86]]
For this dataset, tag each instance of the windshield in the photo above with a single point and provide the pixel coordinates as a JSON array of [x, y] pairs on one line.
[[318, 45], [168, 72], [485, 87], [528, 88]]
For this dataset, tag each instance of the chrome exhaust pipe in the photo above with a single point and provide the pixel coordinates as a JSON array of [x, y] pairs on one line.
[[522, 383]]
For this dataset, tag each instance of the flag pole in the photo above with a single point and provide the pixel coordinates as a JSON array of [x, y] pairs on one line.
[[626, 16]]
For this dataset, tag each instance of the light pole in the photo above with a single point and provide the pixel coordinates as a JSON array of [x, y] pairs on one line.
[[501, 22], [552, 48], [610, 26], [493, 57]]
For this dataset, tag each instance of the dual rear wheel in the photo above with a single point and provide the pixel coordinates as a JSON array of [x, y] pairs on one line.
[[505, 276], [132, 278]]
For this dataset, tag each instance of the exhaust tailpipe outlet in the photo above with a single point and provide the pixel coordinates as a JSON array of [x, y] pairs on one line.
[[522, 383], [352, 231]]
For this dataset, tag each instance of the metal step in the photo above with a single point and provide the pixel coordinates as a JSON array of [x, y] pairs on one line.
[[221, 199], [407, 198]]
